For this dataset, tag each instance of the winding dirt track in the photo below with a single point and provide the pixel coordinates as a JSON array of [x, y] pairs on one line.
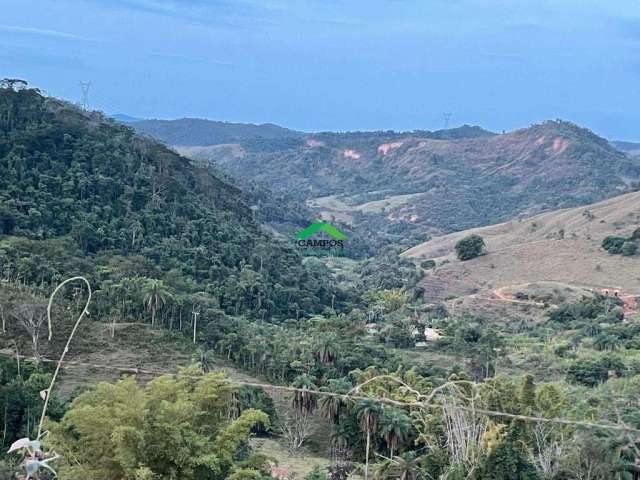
[[630, 302], [504, 297]]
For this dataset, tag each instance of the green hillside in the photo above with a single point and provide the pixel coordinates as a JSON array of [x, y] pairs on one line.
[[80, 194], [198, 131], [445, 182]]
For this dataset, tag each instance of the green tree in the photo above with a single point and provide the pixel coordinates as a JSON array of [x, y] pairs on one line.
[[155, 295], [469, 247], [613, 244], [428, 264], [171, 428], [508, 460], [587, 372], [304, 401], [368, 413], [332, 406], [394, 428]]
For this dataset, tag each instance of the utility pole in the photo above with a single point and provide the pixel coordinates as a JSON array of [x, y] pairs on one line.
[[195, 324], [446, 116], [84, 88]]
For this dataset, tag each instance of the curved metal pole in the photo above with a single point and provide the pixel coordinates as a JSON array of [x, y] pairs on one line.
[[84, 312]]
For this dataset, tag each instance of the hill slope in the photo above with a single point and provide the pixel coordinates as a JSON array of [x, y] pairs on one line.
[[561, 248], [201, 132], [81, 194], [630, 148], [418, 182]]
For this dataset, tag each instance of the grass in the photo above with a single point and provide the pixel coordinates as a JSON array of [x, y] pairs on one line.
[[333, 206], [556, 255]]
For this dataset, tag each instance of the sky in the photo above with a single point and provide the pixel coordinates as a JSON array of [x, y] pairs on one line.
[[337, 64]]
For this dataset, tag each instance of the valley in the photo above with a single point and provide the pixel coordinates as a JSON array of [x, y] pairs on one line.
[[412, 184], [364, 240], [207, 322]]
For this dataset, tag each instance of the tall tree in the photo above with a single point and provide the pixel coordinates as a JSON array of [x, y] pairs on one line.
[[170, 428], [394, 428], [155, 296], [368, 413]]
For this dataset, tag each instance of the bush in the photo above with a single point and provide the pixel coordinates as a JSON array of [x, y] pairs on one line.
[[470, 247], [397, 336], [592, 371], [316, 474], [629, 248], [613, 244], [508, 460], [428, 264], [588, 372]]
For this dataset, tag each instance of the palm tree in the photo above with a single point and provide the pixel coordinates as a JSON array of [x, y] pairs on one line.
[[303, 400], [368, 413], [331, 406], [606, 342], [325, 348], [203, 357], [155, 296], [394, 428]]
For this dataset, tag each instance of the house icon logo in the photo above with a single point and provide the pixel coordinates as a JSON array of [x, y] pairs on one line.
[[303, 237]]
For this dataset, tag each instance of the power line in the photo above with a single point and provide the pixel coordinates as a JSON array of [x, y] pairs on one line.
[[350, 396]]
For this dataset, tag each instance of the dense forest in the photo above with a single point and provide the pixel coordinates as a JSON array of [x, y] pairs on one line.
[[79, 192], [176, 250]]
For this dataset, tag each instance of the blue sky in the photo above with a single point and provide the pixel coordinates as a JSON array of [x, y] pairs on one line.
[[337, 65]]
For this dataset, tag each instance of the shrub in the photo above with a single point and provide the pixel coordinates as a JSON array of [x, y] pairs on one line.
[[615, 315], [470, 247], [613, 244], [592, 371], [316, 474], [397, 336], [629, 248], [428, 264], [508, 460], [588, 372], [563, 350]]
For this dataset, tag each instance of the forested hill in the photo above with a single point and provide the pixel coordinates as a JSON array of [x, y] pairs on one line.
[[408, 184], [417, 182], [81, 194], [198, 131]]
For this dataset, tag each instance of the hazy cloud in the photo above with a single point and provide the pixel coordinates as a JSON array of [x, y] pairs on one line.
[[224, 12], [39, 31]]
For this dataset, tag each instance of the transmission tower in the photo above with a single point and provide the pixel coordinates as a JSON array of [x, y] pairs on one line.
[[84, 88], [446, 117]]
